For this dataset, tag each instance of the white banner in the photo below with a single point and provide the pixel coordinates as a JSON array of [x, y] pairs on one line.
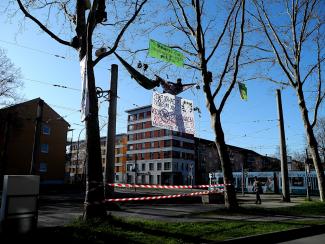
[[173, 113], [84, 89]]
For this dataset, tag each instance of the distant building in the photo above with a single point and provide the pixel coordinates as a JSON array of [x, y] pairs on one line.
[[155, 155], [207, 160], [17, 132], [75, 167]]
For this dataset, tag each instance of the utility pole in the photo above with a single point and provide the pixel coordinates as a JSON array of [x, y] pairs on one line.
[[283, 152], [111, 131], [37, 137]]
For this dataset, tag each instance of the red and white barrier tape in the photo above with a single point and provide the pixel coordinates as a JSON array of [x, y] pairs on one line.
[[161, 197], [163, 186]]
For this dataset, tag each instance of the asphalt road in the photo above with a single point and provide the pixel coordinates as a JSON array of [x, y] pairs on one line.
[[317, 239], [60, 209]]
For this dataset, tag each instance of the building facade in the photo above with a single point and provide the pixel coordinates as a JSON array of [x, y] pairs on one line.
[[155, 155], [207, 160], [75, 167], [18, 136]]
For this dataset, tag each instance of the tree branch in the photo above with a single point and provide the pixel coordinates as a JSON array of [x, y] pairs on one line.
[[182, 28], [185, 18], [228, 57], [113, 49], [312, 69], [225, 97], [223, 31], [276, 35], [43, 27], [320, 97], [259, 19]]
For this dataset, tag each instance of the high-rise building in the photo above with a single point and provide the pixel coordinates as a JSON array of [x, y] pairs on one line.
[[155, 155]]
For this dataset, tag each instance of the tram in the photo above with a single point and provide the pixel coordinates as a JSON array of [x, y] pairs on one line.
[[271, 181]]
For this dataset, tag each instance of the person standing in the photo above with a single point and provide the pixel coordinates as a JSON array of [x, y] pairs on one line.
[[257, 187]]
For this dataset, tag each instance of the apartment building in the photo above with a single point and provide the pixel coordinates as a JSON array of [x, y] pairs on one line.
[[75, 167], [207, 160], [18, 135], [155, 155]]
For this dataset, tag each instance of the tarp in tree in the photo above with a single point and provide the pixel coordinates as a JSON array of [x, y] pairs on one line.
[[141, 79]]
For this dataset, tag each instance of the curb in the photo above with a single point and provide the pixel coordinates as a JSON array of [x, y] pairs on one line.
[[281, 236]]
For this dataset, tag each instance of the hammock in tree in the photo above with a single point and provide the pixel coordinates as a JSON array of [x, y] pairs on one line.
[[141, 79], [168, 86]]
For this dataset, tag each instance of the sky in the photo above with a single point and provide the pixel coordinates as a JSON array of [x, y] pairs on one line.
[[251, 124]]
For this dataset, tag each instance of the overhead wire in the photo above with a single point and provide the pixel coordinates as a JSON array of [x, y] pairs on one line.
[[46, 52]]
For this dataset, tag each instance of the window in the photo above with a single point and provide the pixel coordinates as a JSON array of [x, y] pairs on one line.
[[130, 137], [167, 143], [44, 148], [43, 167], [129, 167], [176, 154], [167, 166], [129, 179], [150, 179], [46, 130], [167, 154], [175, 166], [158, 179], [142, 156], [143, 179], [131, 127], [143, 167], [151, 134], [151, 155], [132, 117], [151, 165], [158, 166]]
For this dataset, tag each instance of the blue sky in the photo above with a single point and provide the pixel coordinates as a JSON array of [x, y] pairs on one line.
[[249, 124]]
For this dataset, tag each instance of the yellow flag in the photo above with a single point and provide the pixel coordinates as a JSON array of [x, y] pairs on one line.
[[243, 91]]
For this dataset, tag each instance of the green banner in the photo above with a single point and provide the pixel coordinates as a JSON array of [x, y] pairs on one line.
[[243, 91], [165, 53]]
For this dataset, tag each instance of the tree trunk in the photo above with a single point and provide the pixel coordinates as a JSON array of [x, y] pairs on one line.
[[94, 198], [230, 193], [312, 144]]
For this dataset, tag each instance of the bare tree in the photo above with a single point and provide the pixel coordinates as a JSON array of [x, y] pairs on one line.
[[86, 21], [9, 79], [294, 36], [202, 42]]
